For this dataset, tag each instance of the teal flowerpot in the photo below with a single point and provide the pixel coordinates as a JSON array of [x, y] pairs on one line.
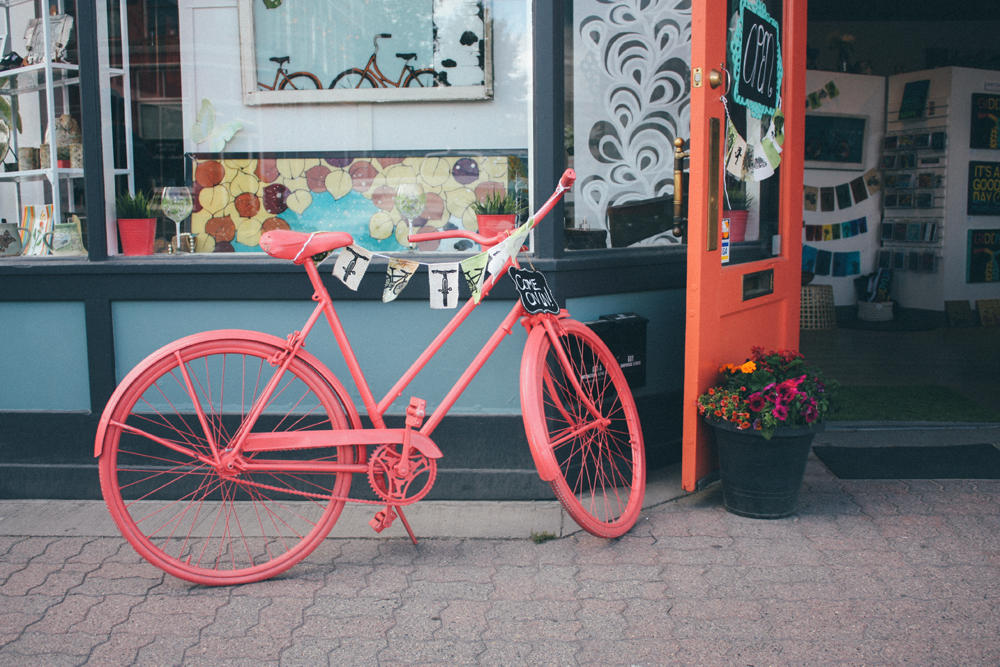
[[761, 479]]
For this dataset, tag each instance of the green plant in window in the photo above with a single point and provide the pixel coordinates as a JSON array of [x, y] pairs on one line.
[[498, 203], [137, 206]]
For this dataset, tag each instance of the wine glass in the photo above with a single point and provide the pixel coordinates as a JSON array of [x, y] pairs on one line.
[[176, 204], [410, 200]]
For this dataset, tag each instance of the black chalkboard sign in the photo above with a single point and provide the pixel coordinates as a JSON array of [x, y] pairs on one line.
[[758, 64]]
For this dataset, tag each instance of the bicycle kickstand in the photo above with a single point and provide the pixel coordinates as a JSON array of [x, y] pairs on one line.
[[384, 518]]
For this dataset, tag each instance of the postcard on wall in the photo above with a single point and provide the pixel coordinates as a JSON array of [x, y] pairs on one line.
[[913, 260], [899, 233], [906, 161], [823, 260], [858, 190], [890, 200], [925, 200], [984, 188], [890, 142], [873, 180], [890, 181], [887, 231], [808, 259], [898, 260], [937, 140], [889, 161], [922, 140], [905, 200], [826, 199], [810, 194], [928, 262], [904, 181], [912, 232], [843, 195]]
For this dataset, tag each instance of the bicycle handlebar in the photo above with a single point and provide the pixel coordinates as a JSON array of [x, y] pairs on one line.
[[565, 183]]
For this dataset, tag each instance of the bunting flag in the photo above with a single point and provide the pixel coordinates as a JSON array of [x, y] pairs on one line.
[[754, 162], [497, 256], [397, 276], [443, 279], [474, 271], [814, 100], [351, 265], [735, 152]]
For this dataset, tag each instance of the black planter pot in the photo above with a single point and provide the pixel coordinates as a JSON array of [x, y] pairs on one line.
[[761, 478]]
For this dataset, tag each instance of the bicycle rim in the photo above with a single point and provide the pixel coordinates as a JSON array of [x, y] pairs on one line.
[[300, 81], [178, 511], [599, 467], [422, 78], [353, 78]]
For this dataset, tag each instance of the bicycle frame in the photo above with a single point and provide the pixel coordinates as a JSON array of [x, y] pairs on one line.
[[373, 69]]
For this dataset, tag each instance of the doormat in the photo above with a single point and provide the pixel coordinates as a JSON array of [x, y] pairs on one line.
[[946, 462]]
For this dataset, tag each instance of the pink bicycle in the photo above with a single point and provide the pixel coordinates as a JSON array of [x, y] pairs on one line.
[[226, 457]]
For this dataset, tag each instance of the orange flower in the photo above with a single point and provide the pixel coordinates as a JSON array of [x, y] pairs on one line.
[[748, 367]]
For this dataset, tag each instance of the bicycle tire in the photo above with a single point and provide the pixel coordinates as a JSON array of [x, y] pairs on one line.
[[300, 81], [598, 474], [353, 78], [421, 78], [181, 514]]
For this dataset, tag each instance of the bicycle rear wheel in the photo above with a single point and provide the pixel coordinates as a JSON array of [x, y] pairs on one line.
[[199, 521], [422, 78], [595, 463], [353, 78], [300, 81]]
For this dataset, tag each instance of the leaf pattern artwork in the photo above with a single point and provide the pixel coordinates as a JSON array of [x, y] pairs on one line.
[[631, 99]]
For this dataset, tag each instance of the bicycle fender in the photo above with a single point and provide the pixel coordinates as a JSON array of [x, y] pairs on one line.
[[255, 336], [544, 457]]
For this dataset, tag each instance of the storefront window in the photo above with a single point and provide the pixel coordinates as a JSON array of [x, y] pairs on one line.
[[628, 98], [436, 122]]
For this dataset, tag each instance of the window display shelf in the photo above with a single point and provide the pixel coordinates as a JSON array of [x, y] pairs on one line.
[[37, 174], [63, 74]]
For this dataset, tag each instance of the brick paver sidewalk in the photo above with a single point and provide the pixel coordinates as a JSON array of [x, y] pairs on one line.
[[868, 573]]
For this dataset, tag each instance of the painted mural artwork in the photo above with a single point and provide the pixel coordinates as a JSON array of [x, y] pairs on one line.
[[443, 37], [379, 201], [631, 99]]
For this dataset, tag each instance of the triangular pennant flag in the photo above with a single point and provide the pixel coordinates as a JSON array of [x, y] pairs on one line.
[[351, 265], [736, 152], [474, 270], [761, 166], [443, 279], [779, 127], [497, 256], [516, 239], [771, 151], [397, 276]]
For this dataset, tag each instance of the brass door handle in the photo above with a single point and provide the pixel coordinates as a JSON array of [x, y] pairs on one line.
[[680, 224]]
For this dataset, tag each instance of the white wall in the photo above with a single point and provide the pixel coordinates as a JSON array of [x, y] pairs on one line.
[[863, 96], [210, 64], [951, 90]]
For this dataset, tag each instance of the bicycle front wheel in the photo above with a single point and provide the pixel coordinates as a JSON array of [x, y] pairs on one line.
[[422, 78], [204, 522], [353, 78], [300, 81], [588, 445]]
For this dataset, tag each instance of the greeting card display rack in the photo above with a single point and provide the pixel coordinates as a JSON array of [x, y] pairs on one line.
[[38, 93]]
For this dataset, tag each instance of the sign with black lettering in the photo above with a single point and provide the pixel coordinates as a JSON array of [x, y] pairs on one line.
[[534, 292], [756, 54], [984, 188], [983, 262], [984, 131]]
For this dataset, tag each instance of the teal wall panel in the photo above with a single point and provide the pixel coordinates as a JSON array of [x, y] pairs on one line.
[[386, 338], [43, 365], [664, 334]]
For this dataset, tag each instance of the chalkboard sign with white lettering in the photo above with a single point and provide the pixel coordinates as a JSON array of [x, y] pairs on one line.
[[756, 54]]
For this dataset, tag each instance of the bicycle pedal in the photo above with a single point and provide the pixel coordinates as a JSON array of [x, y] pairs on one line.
[[416, 412], [383, 519]]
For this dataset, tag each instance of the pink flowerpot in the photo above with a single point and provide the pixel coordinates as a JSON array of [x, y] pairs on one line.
[[491, 225], [137, 235], [737, 225]]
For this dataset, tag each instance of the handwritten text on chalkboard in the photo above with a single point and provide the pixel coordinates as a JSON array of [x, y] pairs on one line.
[[756, 52]]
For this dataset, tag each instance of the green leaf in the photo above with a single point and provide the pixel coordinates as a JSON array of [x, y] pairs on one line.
[[272, 4]]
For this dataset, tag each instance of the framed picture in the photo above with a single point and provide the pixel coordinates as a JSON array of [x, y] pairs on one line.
[[925, 200], [836, 141], [436, 51]]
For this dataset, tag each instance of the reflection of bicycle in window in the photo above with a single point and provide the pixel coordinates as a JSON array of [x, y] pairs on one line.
[[293, 81], [371, 76]]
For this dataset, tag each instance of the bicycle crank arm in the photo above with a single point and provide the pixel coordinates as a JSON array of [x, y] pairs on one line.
[[276, 442]]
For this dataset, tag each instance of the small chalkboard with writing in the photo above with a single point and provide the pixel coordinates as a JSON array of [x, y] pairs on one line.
[[534, 292], [756, 49]]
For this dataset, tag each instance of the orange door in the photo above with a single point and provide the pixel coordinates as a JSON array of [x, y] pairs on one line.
[[753, 53]]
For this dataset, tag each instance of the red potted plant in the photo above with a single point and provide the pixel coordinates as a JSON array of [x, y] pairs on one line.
[[136, 223], [496, 213]]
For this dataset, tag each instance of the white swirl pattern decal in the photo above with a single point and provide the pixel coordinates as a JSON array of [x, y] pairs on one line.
[[631, 99]]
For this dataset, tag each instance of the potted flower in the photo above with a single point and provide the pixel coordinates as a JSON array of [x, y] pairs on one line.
[[737, 207], [765, 414], [136, 223], [497, 212]]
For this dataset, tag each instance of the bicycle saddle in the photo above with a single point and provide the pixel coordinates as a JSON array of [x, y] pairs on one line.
[[406, 56], [282, 60], [300, 246]]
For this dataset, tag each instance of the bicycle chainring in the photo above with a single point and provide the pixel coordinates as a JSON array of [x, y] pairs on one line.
[[395, 487]]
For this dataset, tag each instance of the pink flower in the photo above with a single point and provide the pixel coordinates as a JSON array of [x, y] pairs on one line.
[[780, 412], [756, 402]]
